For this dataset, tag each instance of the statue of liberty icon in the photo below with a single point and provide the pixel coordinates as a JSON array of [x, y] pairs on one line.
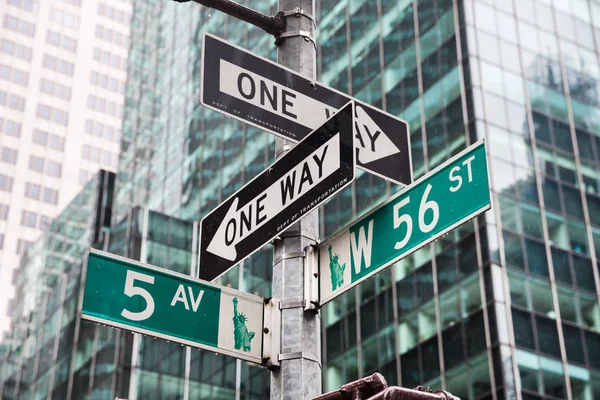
[[240, 331], [337, 270]]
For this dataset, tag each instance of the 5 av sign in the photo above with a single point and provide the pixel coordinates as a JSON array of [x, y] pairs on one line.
[[142, 298], [278, 100]]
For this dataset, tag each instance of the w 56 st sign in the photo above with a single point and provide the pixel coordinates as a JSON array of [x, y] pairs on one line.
[[445, 198]]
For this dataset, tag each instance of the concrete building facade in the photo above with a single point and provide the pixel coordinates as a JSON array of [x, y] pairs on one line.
[[62, 84]]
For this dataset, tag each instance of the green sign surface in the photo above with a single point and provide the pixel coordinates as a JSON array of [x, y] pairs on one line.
[[154, 301], [438, 202]]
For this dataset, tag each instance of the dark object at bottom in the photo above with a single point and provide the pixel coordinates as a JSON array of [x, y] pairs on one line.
[[419, 393], [363, 388], [374, 387]]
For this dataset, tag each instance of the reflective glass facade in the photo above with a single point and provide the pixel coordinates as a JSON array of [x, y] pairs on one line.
[[533, 69], [506, 306], [49, 351]]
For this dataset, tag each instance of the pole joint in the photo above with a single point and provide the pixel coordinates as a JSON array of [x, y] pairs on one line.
[[288, 255], [305, 34], [291, 304], [298, 355], [297, 12]]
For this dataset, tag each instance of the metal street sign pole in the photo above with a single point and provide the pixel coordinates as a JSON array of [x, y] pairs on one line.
[[154, 301], [299, 375], [445, 198]]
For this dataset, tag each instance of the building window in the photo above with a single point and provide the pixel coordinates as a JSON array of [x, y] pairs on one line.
[[9, 155], [106, 82], [16, 25], [3, 212], [40, 137], [50, 196], [1, 241], [56, 143], [109, 59], [58, 40], [27, 5], [57, 65], [36, 164], [104, 106], [113, 13], [29, 219], [14, 75], [32, 190], [11, 128], [53, 168], [44, 112], [6, 183], [52, 114], [47, 139], [55, 89], [16, 50], [13, 101], [23, 245], [45, 222], [112, 36], [64, 18]]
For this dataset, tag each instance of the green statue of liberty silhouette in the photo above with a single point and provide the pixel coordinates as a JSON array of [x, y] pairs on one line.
[[240, 331], [337, 270]]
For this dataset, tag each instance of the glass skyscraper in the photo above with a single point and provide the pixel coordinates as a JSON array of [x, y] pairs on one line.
[[506, 306]]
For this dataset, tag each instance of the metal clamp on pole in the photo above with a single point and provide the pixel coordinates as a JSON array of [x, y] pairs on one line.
[[305, 34], [296, 355], [299, 12], [287, 256], [295, 234], [291, 304]]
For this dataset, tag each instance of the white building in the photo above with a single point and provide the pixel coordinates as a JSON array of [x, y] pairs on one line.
[[62, 80]]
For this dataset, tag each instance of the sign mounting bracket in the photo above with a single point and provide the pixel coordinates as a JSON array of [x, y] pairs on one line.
[[271, 333], [311, 279]]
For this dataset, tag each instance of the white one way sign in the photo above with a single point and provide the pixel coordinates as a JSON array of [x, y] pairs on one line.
[[319, 166], [278, 100]]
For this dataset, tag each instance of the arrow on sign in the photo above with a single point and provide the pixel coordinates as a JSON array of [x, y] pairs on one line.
[[374, 143], [241, 222], [278, 100], [317, 168]]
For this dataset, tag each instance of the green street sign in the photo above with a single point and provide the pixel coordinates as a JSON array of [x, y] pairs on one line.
[[130, 295], [438, 202]]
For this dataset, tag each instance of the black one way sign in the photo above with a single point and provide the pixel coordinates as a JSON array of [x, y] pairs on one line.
[[276, 99], [318, 167]]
